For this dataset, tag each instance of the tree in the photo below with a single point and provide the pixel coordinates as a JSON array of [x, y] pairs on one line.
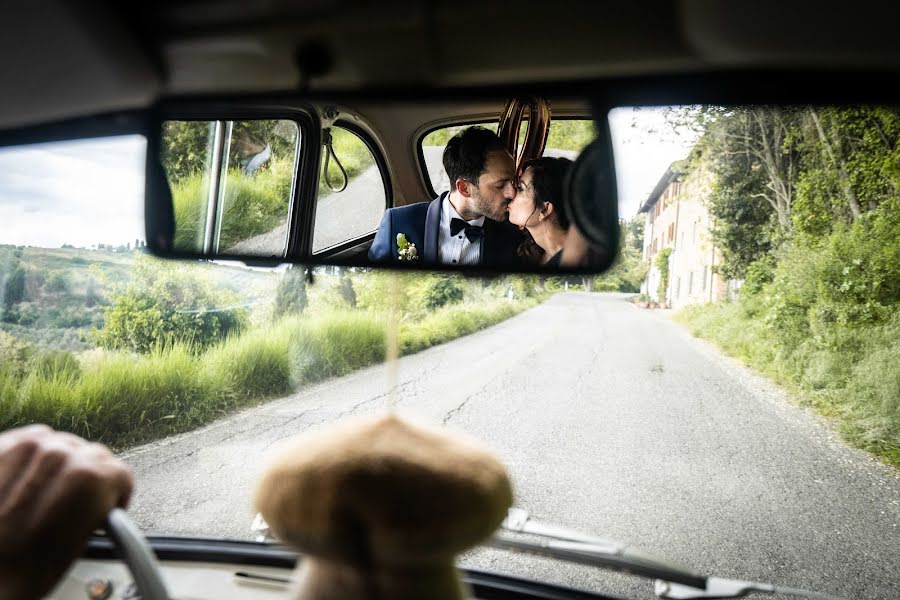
[[58, 282], [187, 144], [164, 304], [850, 163], [13, 288], [754, 156], [744, 228], [629, 268], [762, 140], [290, 296], [14, 355], [91, 294], [347, 291], [437, 291]]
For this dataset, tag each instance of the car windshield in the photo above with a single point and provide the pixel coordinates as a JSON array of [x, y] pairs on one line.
[[726, 396]]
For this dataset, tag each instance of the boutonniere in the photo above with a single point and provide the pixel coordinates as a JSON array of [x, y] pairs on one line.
[[406, 250]]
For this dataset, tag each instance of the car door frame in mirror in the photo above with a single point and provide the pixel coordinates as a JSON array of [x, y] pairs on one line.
[[159, 202]]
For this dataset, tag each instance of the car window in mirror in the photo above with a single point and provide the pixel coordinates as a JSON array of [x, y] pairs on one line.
[[567, 138], [432, 149], [232, 184], [354, 211]]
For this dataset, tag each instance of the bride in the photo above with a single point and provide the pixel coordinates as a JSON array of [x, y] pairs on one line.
[[538, 208]]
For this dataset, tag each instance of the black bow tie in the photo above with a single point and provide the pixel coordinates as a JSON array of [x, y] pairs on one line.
[[473, 232]]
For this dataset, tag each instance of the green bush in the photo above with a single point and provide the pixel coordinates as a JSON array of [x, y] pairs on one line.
[[872, 394], [381, 290], [335, 344], [50, 338], [165, 303], [22, 313], [13, 290], [433, 292], [55, 363], [455, 321], [759, 273], [347, 291], [662, 263], [827, 325], [15, 354], [256, 364], [58, 282], [121, 399]]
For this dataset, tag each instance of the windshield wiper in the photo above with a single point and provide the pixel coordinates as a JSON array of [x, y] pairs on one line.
[[673, 581]]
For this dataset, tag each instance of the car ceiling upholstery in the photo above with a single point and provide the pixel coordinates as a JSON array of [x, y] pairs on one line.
[[65, 59]]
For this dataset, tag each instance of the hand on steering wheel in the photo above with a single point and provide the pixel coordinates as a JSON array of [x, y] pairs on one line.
[[55, 489], [137, 554]]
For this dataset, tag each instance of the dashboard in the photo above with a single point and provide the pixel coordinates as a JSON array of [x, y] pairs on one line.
[[208, 569]]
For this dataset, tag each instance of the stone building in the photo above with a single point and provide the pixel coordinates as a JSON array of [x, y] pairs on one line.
[[677, 218]]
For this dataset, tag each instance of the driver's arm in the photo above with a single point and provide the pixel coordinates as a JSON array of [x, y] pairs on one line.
[[55, 489]]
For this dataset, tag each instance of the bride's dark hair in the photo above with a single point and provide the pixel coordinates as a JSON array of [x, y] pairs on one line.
[[548, 175]]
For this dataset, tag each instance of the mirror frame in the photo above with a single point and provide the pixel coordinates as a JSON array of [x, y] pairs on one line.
[[211, 108], [735, 87]]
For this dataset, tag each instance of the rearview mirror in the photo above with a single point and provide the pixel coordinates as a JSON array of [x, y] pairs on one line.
[[526, 185]]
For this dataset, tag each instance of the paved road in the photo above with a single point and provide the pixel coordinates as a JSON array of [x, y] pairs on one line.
[[612, 420]]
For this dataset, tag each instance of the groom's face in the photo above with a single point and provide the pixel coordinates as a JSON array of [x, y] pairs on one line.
[[496, 186]]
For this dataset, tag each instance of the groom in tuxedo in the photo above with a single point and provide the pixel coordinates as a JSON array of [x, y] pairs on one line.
[[469, 224]]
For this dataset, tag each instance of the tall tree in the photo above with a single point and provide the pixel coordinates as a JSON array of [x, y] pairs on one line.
[[290, 297], [752, 153], [763, 139], [851, 160]]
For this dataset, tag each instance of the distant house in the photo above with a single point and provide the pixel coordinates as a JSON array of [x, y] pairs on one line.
[[677, 218]]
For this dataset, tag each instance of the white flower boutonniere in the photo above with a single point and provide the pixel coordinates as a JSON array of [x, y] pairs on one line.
[[405, 249]]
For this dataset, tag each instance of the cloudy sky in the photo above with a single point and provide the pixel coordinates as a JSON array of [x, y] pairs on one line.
[[91, 191], [644, 146], [82, 193]]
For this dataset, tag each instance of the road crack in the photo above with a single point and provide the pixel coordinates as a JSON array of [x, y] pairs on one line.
[[455, 411]]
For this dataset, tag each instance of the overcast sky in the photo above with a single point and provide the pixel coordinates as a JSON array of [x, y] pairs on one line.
[[91, 191], [82, 193], [644, 146]]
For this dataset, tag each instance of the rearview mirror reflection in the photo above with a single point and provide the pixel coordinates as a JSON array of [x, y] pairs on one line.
[[330, 184]]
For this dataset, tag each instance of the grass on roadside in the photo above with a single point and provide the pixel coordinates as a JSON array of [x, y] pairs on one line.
[[124, 399], [854, 379]]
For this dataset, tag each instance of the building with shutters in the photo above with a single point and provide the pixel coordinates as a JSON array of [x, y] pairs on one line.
[[676, 217]]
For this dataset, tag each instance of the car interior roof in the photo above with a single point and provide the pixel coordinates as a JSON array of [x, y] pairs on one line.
[[100, 56]]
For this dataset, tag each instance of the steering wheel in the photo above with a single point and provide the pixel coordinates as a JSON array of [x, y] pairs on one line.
[[137, 554]]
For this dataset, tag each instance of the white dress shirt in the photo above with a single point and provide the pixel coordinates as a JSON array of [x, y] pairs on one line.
[[457, 249]]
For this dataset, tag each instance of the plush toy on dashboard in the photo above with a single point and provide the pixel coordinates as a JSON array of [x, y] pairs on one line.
[[380, 507]]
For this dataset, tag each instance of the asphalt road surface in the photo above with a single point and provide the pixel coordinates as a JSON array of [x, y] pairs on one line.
[[612, 420]]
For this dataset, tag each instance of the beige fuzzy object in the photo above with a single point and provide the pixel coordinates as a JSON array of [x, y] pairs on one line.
[[380, 507]]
